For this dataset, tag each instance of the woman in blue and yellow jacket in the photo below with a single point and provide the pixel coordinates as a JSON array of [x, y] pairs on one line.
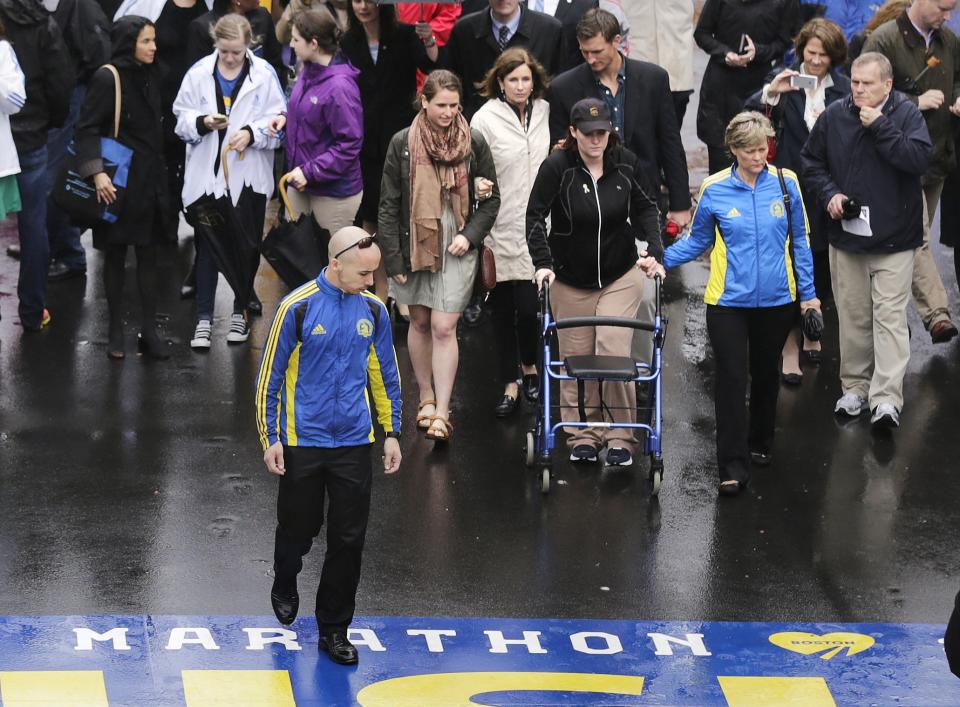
[[746, 213]]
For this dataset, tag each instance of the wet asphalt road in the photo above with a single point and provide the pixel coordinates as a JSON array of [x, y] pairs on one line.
[[137, 487]]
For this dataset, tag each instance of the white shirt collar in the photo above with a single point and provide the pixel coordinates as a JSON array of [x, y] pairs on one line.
[[512, 25]]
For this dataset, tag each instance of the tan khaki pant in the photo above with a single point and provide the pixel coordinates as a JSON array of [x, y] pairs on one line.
[[871, 292], [331, 212], [928, 290], [620, 298]]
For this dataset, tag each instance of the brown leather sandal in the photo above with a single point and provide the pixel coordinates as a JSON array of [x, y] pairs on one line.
[[437, 434], [423, 421]]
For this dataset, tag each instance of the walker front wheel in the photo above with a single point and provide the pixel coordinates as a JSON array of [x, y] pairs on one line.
[[545, 480]]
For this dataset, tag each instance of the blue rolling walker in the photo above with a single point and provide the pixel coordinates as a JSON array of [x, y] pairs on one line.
[[541, 440]]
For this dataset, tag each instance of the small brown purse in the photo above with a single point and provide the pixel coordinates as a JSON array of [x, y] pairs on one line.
[[487, 275]]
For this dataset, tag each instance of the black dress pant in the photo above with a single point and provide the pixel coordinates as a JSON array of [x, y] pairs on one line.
[[515, 307], [746, 340], [342, 474]]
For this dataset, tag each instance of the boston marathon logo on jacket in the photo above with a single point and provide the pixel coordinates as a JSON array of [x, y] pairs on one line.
[[324, 347], [752, 262]]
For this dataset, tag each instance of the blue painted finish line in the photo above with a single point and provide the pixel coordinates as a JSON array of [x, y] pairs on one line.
[[177, 660]]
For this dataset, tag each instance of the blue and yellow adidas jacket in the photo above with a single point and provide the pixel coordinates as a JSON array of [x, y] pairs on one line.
[[324, 347], [751, 264]]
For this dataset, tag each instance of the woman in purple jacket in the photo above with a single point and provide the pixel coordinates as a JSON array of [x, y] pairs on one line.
[[324, 125]]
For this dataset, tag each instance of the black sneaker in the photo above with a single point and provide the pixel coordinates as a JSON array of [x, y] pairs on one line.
[[618, 456], [583, 453]]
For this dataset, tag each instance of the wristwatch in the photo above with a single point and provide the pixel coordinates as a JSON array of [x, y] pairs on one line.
[[395, 435]]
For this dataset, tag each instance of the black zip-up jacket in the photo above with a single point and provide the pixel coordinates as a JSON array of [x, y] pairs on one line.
[[47, 67], [880, 166], [593, 224]]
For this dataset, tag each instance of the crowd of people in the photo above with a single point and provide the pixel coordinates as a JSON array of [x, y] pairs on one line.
[[440, 127], [547, 131]]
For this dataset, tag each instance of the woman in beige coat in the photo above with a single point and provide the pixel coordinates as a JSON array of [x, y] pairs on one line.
[[515, 123]]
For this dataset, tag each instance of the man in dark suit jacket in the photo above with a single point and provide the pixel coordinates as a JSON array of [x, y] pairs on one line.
[[478, 39], [569, 13], [638, 94]]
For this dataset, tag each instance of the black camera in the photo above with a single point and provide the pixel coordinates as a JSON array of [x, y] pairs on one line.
[[851, 208]]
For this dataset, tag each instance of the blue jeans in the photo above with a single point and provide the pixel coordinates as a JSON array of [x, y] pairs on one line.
[[34, 246], [64, 237]]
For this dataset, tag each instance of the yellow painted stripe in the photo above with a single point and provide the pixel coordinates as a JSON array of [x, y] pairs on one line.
[[718, 271], [270, 350], [237, 688], [53, 688], [293, 371], [456, 689], [776, 692]]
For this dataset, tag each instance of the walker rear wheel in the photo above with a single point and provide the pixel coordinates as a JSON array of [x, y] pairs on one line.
[[530, 451], [655, 476]]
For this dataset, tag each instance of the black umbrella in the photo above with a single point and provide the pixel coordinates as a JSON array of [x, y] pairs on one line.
[[297, 250], [233, 244]]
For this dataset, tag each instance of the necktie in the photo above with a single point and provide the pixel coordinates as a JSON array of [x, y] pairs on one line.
[[503, 36], [536, 5]]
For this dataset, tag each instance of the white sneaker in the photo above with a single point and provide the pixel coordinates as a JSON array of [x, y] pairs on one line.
[[239, 329], [201, 335], [886, 416], [850, 405]]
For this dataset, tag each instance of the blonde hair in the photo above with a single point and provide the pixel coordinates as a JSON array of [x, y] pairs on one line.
[[230, 27], [748, 129]]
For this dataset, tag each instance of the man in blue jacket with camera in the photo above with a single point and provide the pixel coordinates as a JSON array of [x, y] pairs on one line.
[[329, 340], [865, 158]]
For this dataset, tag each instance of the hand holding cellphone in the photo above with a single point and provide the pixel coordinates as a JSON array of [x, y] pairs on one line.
[[743, 44], [804, 81], [219, 117]]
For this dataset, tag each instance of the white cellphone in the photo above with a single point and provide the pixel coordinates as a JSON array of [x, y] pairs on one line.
[[803, 81]]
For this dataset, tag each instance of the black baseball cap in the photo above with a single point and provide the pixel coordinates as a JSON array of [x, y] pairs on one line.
[[590, 115]]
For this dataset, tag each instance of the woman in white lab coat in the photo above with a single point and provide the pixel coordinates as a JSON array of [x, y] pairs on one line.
[[228, 99]]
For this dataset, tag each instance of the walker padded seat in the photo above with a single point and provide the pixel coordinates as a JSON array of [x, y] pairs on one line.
[[608, 368]]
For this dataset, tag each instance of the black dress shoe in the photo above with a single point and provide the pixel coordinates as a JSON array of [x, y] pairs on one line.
[[812, 357], [761, 458], [58, 272], [732, 487], [152, 346], [13, 251], [506, 406], [254, 306], [285, 601], [791, 378], [338, 646], [531, 387]]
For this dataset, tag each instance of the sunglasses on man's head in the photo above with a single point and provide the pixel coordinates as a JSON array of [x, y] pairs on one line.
[[364, 242]]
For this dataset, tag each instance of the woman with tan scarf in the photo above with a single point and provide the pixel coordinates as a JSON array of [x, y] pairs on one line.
[[431, 222]]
